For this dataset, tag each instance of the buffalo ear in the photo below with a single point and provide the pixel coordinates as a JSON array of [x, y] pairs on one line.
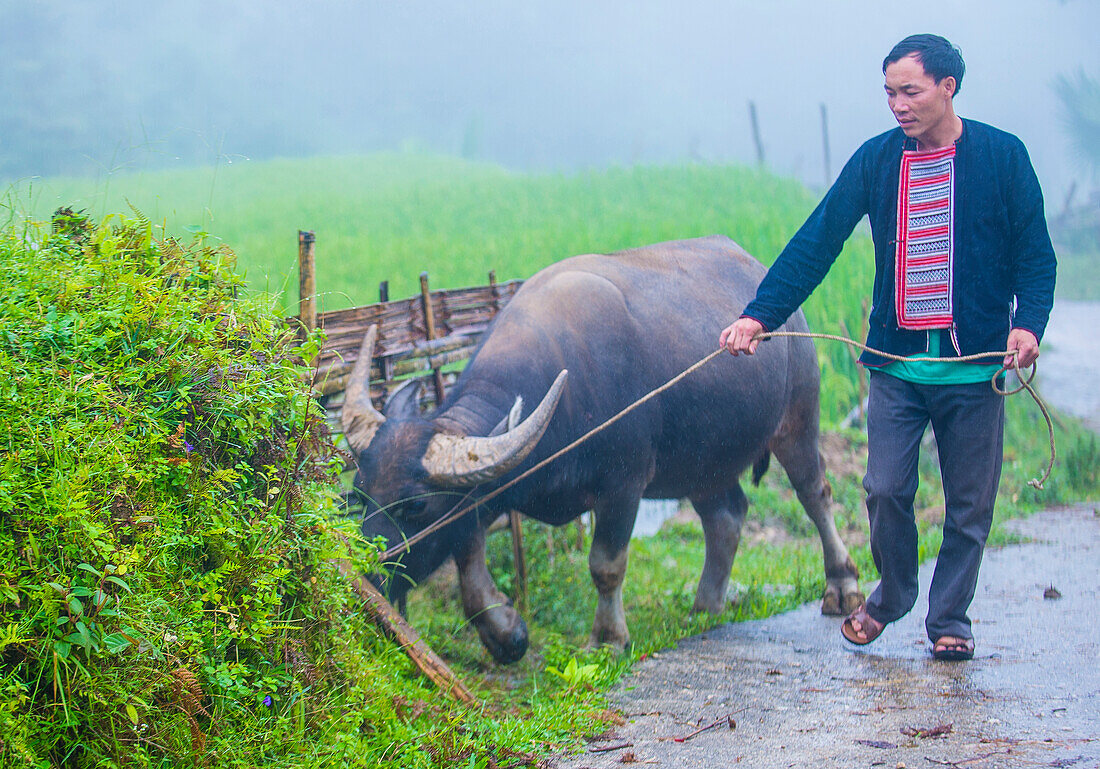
[[509, 422], [405, 401]]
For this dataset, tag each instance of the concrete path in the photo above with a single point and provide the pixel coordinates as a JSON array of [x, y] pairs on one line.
[[802, 697]]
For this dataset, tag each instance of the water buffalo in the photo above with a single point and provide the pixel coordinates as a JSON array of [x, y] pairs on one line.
[[620, 325]]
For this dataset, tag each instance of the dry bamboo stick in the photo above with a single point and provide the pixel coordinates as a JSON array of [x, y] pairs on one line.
[[519, 559], [307, 285], [458, 301], [395, 626], [332, 376], [432, 349], [430, 332]]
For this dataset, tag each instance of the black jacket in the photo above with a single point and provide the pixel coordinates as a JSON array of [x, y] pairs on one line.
[[1004, 264]]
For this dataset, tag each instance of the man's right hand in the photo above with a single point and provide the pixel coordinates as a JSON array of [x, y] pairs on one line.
[[740, 336]]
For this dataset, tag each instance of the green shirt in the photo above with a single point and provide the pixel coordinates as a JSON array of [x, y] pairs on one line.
[[939, 372]]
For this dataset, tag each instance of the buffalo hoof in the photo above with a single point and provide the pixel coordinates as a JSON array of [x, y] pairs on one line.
[[833, 604], [707, 607], [852, 601], [619, 644], [510, 647]]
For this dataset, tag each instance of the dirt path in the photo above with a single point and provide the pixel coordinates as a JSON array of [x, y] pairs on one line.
[[801, 697]]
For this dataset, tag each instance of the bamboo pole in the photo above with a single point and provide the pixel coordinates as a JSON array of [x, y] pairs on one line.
[[756, 133], [520, 560], [307, 283], [429, 324], [519, 557], [395, 626], [825, 144]]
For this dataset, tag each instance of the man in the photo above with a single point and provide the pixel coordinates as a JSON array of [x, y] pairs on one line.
[[964, 265]]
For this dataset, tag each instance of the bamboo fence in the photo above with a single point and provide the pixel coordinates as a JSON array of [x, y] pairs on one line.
[[417, 337]]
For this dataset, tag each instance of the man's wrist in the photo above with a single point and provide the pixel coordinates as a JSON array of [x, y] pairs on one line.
[[763, 325]]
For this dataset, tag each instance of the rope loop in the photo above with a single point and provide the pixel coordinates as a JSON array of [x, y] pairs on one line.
[[1023, 382]]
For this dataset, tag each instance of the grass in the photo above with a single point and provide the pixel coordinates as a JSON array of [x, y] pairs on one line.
[[388, 217], [1079, 274], [1077, 243]]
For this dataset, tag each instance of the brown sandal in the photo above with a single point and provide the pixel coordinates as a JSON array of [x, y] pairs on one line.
[[860, 628], [954, 650]]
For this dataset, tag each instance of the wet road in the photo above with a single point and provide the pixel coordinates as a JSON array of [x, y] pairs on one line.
[[800, 696]]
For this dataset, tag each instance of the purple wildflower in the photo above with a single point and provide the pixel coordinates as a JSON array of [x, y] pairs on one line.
[[187, 447], [268, 701]]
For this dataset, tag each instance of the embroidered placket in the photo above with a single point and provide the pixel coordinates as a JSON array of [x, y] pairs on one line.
[[925, 243]]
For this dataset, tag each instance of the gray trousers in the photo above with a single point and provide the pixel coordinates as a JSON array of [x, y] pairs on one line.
[[968, 422]]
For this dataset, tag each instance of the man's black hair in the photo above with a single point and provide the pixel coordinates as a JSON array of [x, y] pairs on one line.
[[936, 54]]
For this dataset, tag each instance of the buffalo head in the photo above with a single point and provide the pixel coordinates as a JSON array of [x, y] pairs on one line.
[[411, 473]]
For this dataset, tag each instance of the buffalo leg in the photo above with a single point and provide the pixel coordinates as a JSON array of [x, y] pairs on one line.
[[607, 564], [722, 516], [498, 624], [806, 469]]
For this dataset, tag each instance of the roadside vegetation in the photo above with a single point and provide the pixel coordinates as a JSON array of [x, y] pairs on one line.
[[133, 320], [168, 530]]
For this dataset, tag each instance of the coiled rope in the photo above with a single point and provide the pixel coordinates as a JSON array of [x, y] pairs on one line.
[[1025, 384]]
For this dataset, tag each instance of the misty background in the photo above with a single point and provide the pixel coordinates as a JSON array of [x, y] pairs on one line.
[[95, 89]]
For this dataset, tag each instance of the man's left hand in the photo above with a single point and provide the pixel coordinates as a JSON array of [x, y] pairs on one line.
[[1025, 342]]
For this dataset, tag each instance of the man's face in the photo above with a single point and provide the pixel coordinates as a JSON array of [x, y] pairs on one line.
[[921, 106]]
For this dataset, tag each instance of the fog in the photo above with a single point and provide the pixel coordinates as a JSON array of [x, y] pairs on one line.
[[100, 88]]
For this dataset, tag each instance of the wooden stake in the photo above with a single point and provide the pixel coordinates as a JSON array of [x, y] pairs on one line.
[[1067, 204], [384, 291], [429, 323], [865, 330], [756, 133], [307, 284], [395, 626], [825, 144], [519, 558]]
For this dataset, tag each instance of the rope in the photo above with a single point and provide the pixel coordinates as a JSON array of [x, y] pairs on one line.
[[454, 515]]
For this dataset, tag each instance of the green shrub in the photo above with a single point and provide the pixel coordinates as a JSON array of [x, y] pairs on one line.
[[167, 593]]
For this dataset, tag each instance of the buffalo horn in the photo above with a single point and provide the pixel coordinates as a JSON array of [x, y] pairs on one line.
[[359, 417], [460, 460]]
